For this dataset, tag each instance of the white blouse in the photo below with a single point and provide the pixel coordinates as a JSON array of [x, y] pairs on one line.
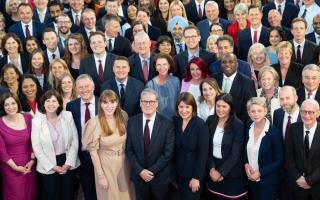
[[254, 146], [203, 110], [217, 142]]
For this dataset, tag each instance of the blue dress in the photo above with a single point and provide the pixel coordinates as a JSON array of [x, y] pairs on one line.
[[273, 58]]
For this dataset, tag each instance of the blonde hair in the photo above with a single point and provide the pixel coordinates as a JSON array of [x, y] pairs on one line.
[[213, 38], [257, 47], [53, 81], [284, 45], [180, 4], [261, 101], [272, 71]]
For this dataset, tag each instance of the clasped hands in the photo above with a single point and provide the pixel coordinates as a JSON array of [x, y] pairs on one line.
[[146, 175], [24, 169], [253, 175], [61, 170], [215, 175]]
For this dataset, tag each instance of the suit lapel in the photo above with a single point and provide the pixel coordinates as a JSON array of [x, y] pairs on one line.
[[155, 132], [305, 52], [315, 142], [138, 67]]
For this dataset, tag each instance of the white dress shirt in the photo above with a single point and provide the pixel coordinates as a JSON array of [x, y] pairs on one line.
[[74, 16], [30, 28], [42, 14], [294, 119], [124, 85], [296, 47], [150, 124], [312, 11], [313, 94], [311, 133], [203, 110], [20, 64], [49, 54], [227, 86], [258, 33], [283, 4], [103, 61], [217, 142]]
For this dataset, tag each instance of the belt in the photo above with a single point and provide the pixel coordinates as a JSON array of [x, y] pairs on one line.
[[113, 153]]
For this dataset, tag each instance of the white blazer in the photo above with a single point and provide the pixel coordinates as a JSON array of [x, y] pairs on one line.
[[43, 146], [275, 102]]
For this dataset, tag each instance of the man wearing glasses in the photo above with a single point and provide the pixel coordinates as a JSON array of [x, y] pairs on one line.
[[303, 152], [311, 81], [149, 148]]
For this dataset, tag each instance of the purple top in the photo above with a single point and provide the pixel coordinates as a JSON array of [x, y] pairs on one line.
[[57, 137]]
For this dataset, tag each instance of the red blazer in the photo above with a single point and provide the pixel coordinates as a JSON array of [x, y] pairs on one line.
[[234, 29]]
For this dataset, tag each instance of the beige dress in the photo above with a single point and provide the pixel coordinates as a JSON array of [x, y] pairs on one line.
[[113, 162]]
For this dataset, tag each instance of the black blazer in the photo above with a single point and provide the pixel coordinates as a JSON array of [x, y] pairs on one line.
[[192, 12], [153, 32], [74, 107], [278, 117], [302, 95], [3, 90], [294, 74], [311, 37], [181, 61], [160, 152], [191, 148], [23, 59], [69, 13], [297, 162], [290, 12], [242, 90], [88, 66], [245, 41], [136, 68], [60, 49], [133, 90], [231, 149], [122, 47], [47, 18], [307, 54]]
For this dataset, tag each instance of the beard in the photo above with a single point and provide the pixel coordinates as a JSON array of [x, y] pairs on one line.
[[288, 108]]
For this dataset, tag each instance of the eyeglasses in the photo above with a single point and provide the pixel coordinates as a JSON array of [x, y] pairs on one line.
[[151, 103], [216, 30], [307, 112]]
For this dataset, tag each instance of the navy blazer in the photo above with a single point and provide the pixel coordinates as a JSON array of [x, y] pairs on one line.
[[307, 54], [231, 148], [153, 32], [37, 29], [3, 90], [192, 12], [23, 59], [83, 32], [121, 47], [160, 154], [69, 13], [271, 156], [204, 28], [74, 107], [245, 41], [311, 37], [243, 67], [60, 49], [136, 68], [133, 90], [301, 93], [181, 61], [290, 12], [191, 148], [47, 18], [294, 74], [242, 90], [278, 117], [88, 66]]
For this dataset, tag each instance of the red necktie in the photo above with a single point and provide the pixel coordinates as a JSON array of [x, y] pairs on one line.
[[298, 54], [255, 37], [100, 72], [27, 31], [87, 115], [200, 12], [145, 70], [146, 139], [287, 129], [309, 95]]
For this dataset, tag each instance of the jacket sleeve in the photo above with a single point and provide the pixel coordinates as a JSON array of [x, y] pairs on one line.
[[72, 151], [291, 162]]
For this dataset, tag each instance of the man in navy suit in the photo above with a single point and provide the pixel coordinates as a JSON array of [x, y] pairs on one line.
[[302, 49], [26, 27], [99, 65], [256, 33], [283, 117], [315, 35], [40, 13], [116, 44], [50, 40], [195, 10], [75, 11], [149, 149], [64, 29], [141, 63], [225, 45], [287, 10], [238, 85], [192, 37], [212, 13], [127, 88], [82, 109], [176, 26], [274, 19], [303, 152]]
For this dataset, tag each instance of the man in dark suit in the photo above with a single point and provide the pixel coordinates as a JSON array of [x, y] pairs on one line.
[[256, 33], [82, 110], [274, 19], [127, 88], [192, 37], [311, 81], [40, 12], [287, 10], [99, 65], [64, 29], [50, 40], [212, 13], [149, 149], [116, 44], [238, 85], [55, 9], [141, 63], [302, 49], [26, 27], [225, 45], [195, 10], [283, 117], [75, 11], [303, 152], [176, 26], [315, 35]]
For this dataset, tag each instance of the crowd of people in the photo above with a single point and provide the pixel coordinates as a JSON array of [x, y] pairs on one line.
[[159, 99]]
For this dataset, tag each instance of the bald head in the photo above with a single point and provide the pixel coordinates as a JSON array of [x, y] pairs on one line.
[[309, 113], [274, 18]]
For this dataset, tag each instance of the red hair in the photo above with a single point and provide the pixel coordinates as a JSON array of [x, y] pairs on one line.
[[202, 66]]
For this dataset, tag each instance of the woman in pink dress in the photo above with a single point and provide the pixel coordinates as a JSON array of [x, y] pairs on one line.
[[17, 159]]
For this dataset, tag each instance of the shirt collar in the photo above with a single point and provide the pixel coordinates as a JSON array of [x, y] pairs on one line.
[[312, 129], [124, 82], [230, 77], [92, 101], [266, 126], [30, 23], [301, 44], [151, 118]]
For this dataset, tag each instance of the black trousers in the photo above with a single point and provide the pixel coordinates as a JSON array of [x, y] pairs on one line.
[[146, 191], [59, 187], [86, 174]]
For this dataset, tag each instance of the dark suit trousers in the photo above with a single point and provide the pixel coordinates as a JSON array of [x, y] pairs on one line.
[[59, 187], [86, 173], [185, 191], [285, 192], [302, 194], [261, 192], [146, 191]]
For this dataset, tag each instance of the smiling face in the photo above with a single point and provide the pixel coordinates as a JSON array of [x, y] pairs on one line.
[[10, 76], [57, 69], [222, 109], [132, 12], [195, 72], [51, 105], [209, 93], [50, 39], [229, 64], [267, 81], [311, 79], [66, 84], [25, 14], [176, 10], [185, 111], [192, 38], [10, 106], [162, 66], [29, 89], [97, 44], [85, 89], [274, 38], [121, 70], [11, 45], [37, 61], [287, 100], [284, 56], [74, 46], [164, 6], [258, 57], [148, 104], [109, 107], [31, 45], [165, 47]]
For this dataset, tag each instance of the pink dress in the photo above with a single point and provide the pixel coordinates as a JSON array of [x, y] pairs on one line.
[[16, 145]]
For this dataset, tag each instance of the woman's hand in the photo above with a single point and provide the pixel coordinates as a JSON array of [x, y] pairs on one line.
[[20, 169], [214, 175], [64, 169], [194, 184], [57, 169], [102, 180], [255, 175], [249, 170], [29, 166]]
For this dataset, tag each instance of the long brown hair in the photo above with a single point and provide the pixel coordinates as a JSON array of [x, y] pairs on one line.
[[109, 95], [83, 52]]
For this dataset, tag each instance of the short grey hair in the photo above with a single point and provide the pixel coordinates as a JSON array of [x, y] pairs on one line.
[[142, 34], [289, 88], [213, 3], [149, 91], [84, 76], [312, 67], [311, 101], [261, 101], [241, 8]]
